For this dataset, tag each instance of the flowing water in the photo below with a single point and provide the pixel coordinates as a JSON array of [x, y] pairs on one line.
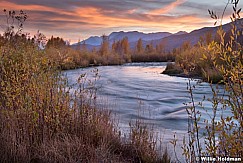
[[139, 91]]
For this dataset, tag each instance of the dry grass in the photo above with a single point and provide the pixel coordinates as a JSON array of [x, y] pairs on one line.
[[152, 57], [41, 121], [197, 62]]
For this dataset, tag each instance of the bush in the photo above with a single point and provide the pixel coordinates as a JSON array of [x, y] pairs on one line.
[[172, 69], [43, 120]]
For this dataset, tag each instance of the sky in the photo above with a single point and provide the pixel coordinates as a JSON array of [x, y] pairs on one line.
[[76, 20]]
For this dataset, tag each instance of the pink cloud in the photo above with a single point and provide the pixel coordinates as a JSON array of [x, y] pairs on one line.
[[167, 8]]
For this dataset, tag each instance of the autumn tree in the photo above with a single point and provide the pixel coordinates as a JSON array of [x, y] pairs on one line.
[[139, 47], [125, 45], [159, 48], [121, 47], [185, 46], [56, 42], [206, 39], [149, 49], [117, 47], [104, 49], [113, 46]]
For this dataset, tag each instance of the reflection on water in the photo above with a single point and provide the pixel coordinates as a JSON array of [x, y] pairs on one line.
[[139, 90]]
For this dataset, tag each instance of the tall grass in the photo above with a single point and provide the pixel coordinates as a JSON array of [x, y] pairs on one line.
[[42, 120], [222, 132]]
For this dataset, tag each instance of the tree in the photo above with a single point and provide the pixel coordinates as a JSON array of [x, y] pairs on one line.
[[186, 45], [159, 48], [125, 46], [117, 47], [139, 47], [56, 42], [104, 49], [208, 38], [14, 28], [149, 48]]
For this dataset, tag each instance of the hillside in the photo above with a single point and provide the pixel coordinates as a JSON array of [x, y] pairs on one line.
[[170, 41]]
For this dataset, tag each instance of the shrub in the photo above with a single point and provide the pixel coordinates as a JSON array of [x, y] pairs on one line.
[[43, 120]]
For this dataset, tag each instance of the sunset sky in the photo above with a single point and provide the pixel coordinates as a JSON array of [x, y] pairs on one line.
[[79, 19]]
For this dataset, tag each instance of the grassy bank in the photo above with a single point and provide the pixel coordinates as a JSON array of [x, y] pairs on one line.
[[69, 58], [198, 61]]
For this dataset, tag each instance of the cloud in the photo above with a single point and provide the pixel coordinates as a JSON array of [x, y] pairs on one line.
[[167, 8], [76, 18]]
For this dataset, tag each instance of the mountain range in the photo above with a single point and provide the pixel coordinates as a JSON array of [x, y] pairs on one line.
[[169, 40]]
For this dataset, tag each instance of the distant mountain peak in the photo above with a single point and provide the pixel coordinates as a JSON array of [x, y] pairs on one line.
[[180, 33], [169, 40], [133, 36], [93, 40]]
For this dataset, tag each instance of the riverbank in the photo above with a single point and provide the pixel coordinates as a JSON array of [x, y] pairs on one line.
[[63, 68], [174, 70]]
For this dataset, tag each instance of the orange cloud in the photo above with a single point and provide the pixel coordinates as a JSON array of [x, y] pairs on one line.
[[168, 8], [95, 21], [172, 24], [13, 6], [94, 17]]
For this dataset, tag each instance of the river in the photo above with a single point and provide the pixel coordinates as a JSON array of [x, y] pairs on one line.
[[139, 91]]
